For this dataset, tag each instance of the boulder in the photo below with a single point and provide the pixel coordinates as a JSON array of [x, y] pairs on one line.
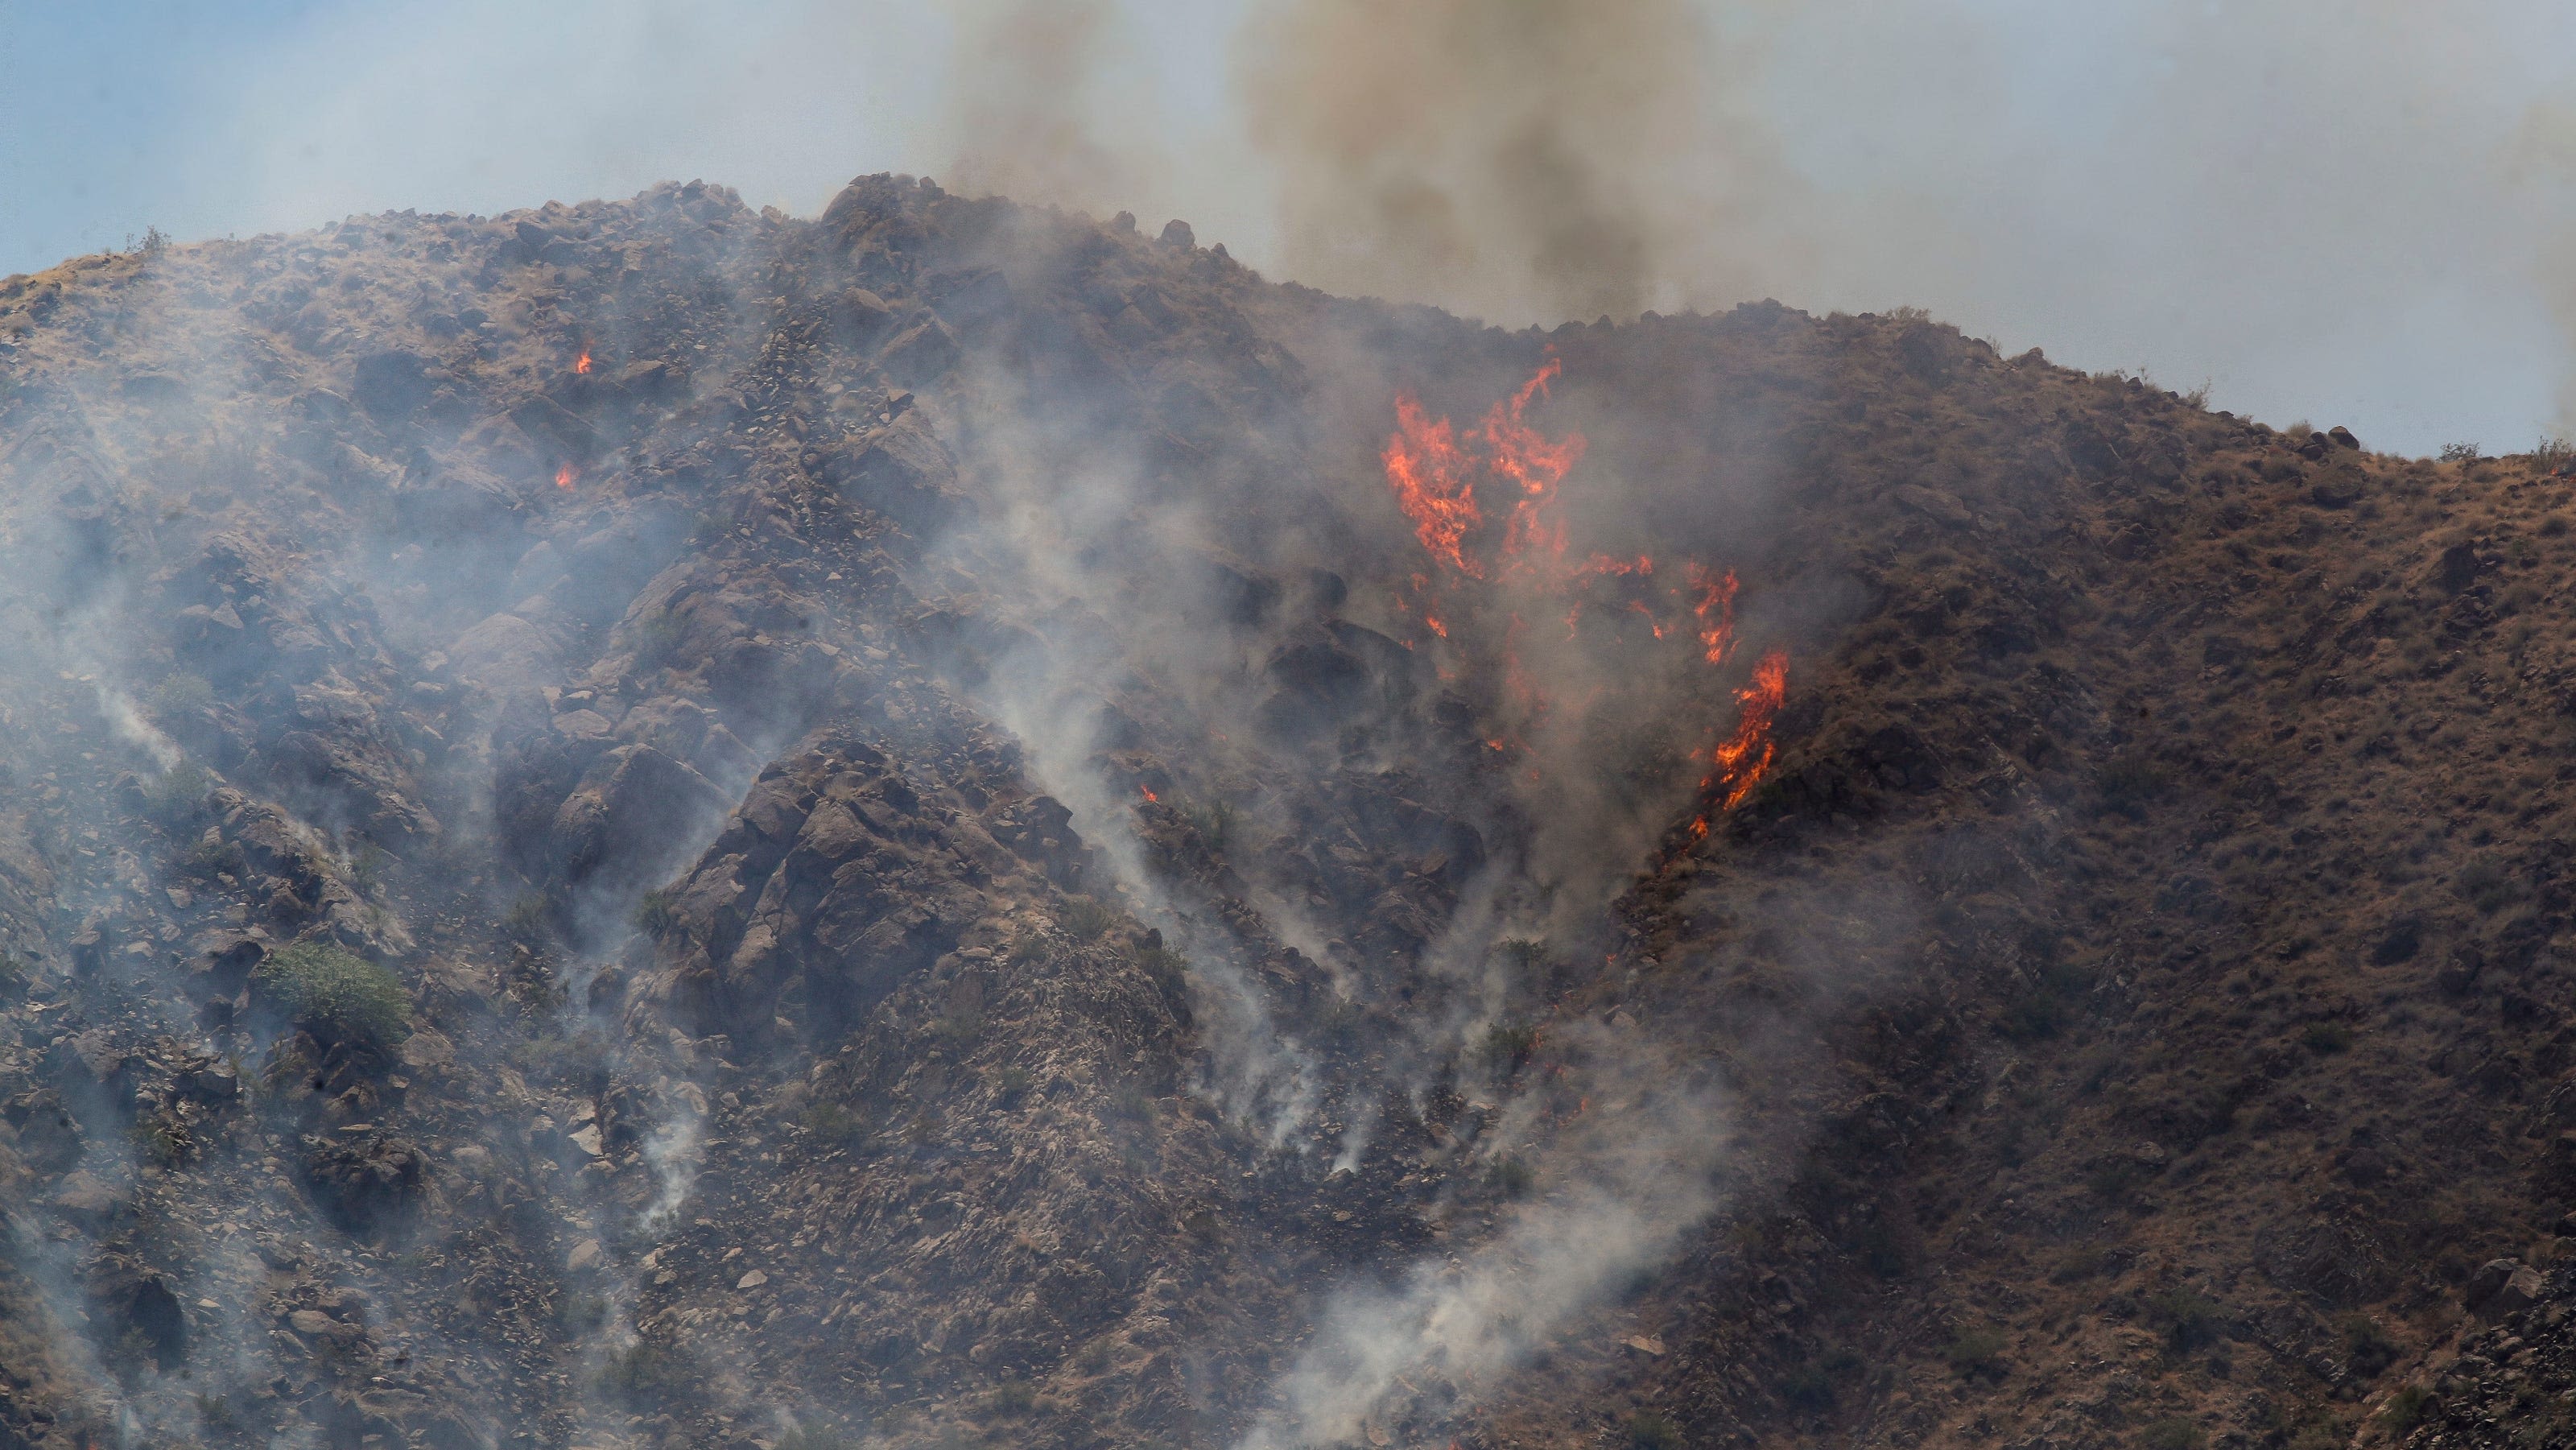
[[633, 818], [651, 378], [2501, 1287], [392, 384], [921, 354], [1934, 503], [87, 1202], [48, 1138], [901, 471], [2457, 568], [361, 1179], [860, 317]]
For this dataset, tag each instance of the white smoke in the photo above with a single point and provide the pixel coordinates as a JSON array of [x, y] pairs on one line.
[[1451, 1326]]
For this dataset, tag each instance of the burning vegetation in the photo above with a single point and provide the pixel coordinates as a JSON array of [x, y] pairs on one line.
[[1486, 507]]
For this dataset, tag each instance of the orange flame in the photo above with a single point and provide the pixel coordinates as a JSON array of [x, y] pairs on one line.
[[582, 363], [1429, 475], [1744, 758], [1525, 456], [1434, 476], [1149, 794], [1716, 597], [1435, 472], [563, 476]]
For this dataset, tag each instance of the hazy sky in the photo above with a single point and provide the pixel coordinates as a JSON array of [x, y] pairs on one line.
[[2355, 211]]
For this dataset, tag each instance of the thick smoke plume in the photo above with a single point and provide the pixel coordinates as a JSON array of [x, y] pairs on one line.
[[1530, 161], [1024, 104]]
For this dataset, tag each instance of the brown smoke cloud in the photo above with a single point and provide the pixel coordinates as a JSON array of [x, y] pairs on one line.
[[1526, 161], [1023, 107]]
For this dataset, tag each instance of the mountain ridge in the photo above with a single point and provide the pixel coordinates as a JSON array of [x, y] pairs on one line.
[[950, 887]]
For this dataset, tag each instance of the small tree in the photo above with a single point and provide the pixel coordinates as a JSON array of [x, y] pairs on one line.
[[337, 996]]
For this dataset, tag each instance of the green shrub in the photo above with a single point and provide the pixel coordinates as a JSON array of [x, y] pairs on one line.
[[1648, 1430], [367, 867], [1084, 919], [217, 1414], [658, 637], [177, 792], [2172, 1433], [527, 920], [2043, 1004], [2367, 1348], [1013, 1397], [1819, 1386], [811, 1437], [332, 994], [2485, 884], [1132, 1102], [1508, 1045], [2326, 1038], [2130, 782], [211, 858], [643, 1373], [2411, 1406], [1511, 1177], [1169, 969], [181, 693], [655, 913], [164, 1140], [1213, 821], [1977, 1351], [833, 1123], [2117, 1180], [1011, 1084], [2190, 1320]]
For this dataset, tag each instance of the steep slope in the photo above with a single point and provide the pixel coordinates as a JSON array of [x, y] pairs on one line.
[[651, 824]]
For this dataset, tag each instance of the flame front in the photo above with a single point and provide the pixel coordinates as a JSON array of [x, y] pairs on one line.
[[582, 363], [1741, 760], [1518, 555], [563, 476], [1430, 478], [1534, 537], [1715, 610]]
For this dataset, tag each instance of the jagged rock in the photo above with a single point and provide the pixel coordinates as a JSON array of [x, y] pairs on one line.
[[214, 1084], [630, 818], [1944, 507], [2501, 1287], [48, 1138], [131, 1298], [86, 1201], [364, 1179], [391, 384], [921, 354], [902, 471]]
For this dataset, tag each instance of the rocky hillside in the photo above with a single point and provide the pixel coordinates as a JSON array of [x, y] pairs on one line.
[[648, 824]]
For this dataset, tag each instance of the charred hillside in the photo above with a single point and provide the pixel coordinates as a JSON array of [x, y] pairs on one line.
[[648, 824]]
